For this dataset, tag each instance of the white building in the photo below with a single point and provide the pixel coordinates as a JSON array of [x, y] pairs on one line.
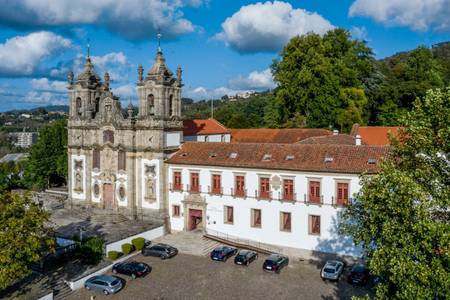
[[209, 130], [285, 195], [24, 139]]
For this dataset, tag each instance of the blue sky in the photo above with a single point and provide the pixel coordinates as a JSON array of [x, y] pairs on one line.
[[224, 47]]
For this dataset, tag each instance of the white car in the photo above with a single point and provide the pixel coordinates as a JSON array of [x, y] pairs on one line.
[[332, 270]]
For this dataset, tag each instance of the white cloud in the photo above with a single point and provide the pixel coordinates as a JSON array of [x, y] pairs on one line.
[[43, 84], [127, 91], [269, 26], [22, 55], [200, 93], [419, 15], [134, 19], [359, 33], [45, 98], [254, 81]]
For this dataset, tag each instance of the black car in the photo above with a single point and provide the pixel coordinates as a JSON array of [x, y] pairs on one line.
[[160, 250], [358, 275], [245, 257], [133, 269], [275, 262], [222, 253]]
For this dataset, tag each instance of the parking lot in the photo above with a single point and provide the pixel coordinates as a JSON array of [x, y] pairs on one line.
[[197, 277]]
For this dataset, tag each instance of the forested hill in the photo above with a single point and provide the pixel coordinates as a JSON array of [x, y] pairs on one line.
[[340, 85]]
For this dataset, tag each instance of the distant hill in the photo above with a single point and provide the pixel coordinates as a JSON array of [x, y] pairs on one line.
[[49, 108]]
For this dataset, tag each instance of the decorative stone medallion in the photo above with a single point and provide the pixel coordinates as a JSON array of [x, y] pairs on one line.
[[276, 182]]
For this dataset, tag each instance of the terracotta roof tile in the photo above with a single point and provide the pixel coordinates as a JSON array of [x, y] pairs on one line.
[[339, 139], [203, 127], [267, 135], [345, 158], [375, 135]]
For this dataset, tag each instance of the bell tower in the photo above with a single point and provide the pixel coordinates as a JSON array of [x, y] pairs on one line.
[[159, 92]]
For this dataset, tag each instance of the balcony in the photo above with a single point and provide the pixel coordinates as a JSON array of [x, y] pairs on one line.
[[339, 202], [239, 193], [215, 191], [309, 199], [175, 187], [194, 189], [263, 195], [288, 197]]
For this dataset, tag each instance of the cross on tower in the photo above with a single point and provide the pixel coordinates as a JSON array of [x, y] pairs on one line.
[[159, 35], [88, 47]]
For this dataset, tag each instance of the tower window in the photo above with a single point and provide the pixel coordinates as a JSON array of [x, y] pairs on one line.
[[122, 160], [78, 106], [151, 103], [96, 159], [170, 105]]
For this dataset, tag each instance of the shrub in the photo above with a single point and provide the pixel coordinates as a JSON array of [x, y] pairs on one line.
[[92, 250], [113, 255], [127, 248], [138, 243]]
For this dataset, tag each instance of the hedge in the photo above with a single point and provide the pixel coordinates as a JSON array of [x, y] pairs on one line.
[[113, 255], [127, 248], [138, 243]]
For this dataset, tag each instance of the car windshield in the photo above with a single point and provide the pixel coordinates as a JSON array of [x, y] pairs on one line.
[[140, 267], [328, 270], [114, 282], [358, 269]]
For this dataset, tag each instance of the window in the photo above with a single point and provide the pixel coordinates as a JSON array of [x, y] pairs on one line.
[[216, 185], [229, 214], [195, 188], [177, 181], [239, 186], [314, 225], [288, 189], [264, 188], [78, 106], [314, 191], [256, 218], [342, 193], [151, 103], [175, 211], [96, 159], [122, 160], [285, 221], [170, 105]]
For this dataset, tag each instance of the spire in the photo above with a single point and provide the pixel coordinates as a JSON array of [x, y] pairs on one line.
[[159, 36], [130, 110], [89, 48], [88, 76]]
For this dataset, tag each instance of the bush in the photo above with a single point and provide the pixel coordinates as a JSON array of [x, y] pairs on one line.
[[113, 255], [92, 250], [127, 248], [138, 243]]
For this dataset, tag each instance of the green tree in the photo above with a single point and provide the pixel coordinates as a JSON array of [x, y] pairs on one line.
[[313, 73], [47, 163], [23, 236], [401, 215]]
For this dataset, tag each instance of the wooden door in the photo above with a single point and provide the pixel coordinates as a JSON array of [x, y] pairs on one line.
[[108, 196]]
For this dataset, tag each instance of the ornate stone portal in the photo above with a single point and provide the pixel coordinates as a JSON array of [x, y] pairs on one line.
[[193, 203]]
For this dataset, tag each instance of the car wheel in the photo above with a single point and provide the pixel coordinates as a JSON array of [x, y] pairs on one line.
[[247, 263], [133, 276], [163, 257], [114, 271], [105, 292]]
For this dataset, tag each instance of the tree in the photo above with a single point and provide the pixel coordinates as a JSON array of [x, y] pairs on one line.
[[314, 72], [401, 216], [23, 236], [47, 163]]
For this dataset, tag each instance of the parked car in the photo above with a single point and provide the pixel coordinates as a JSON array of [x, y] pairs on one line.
[[275, 262], [359, 274], [332, 270], [104, 283], [223, 253], [160, 250], [133, 269], [245, 257]]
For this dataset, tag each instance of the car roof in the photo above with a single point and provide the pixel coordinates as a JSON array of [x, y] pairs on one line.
[[106, 278], [333, 263], [244, 251], [275, 256]]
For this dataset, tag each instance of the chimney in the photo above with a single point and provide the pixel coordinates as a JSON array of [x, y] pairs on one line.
[[335, 132], [358, 140]]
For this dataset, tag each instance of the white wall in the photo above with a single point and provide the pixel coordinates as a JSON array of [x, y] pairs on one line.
[[172, 139], [148, 235], [226, 138], [270, 233]]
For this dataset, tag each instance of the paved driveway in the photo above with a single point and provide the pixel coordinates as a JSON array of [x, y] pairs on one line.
[[197, 277]]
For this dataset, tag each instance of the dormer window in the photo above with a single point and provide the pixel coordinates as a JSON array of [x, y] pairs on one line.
[[290, 157], [233, 155], [267, 157], [328, 159], [212, 155], [371, 161]]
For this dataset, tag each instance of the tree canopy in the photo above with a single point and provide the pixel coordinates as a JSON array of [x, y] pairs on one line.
[[47, 163], [400, 216], [23, 236]]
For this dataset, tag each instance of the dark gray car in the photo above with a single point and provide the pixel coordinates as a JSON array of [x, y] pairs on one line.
[[160, 250], [104, 283]]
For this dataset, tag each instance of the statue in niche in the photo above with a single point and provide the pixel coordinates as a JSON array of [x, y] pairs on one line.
[[150, 189], [78, 176]]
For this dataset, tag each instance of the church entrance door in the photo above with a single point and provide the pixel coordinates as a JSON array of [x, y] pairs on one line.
[[108, 196], [195, 218]]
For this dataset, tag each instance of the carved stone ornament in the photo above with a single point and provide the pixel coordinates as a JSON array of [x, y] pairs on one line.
[[150, 189], [78, 181], [276, 182], [96, 189], [150, 170], [122, 193], [78, 165]]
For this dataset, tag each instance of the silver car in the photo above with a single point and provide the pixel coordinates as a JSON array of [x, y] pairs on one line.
[[332, 270], [104, 283]]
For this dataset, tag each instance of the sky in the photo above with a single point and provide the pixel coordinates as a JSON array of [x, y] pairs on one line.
[[223, 46]]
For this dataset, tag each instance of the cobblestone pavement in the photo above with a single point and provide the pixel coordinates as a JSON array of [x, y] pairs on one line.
[[197, 277], [189, 242]]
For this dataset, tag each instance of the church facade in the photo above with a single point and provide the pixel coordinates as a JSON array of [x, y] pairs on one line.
[[116, 157]]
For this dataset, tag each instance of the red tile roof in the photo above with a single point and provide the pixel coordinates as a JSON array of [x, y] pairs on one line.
[[375, 135], [340, 158], [339, 139], [203, 127], [267, 135]]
